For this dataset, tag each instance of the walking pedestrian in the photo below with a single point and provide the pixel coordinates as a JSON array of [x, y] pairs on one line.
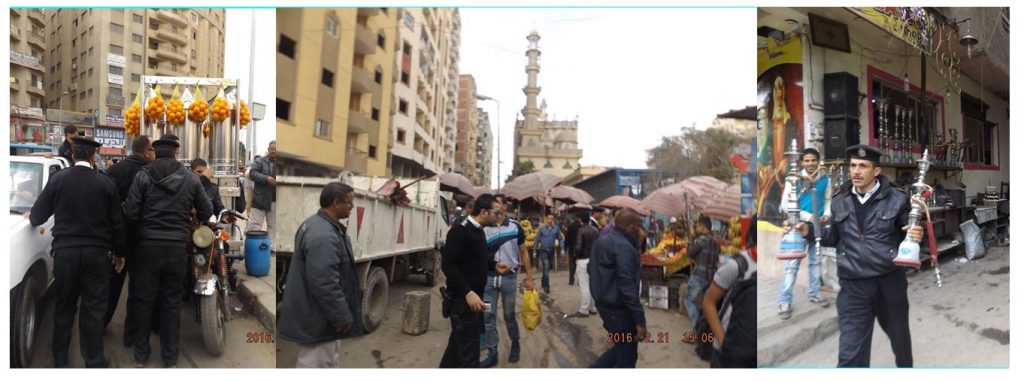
[[615, 284], [322, 303], [703, 251], [549, 238], [869, 222], [585, 238], [465, 261], [508, 243]]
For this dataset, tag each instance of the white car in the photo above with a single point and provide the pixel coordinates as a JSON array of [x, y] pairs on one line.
[[31, 261]]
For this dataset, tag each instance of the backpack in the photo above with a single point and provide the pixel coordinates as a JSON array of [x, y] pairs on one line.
[[705, 349], [740, 346]]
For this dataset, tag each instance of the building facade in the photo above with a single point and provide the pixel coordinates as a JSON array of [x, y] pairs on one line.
[[335, 69], [820, 93], [485, 148], [550, 145], [466, 149], [425, 91], [27, 88], [96, 57]]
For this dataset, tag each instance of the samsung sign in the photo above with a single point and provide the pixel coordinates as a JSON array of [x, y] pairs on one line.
[[109, 136]]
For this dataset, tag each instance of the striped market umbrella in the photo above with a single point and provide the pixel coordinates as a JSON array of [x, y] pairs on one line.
[[570, 195], [722, 204], [620, 201], [530, 185]]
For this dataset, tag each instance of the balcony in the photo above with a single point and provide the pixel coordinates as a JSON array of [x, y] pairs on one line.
[[362, 81], [15, 34], [15, 85], [172, 18], [355, 160], [36, 88], [360, 122], [169, 35], [36, 40], [369, 12], [113, 100], [164, 69], [37, 18], [366, 41], [171, 55]]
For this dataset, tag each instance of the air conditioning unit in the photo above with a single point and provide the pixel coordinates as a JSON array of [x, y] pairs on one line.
[[74, 66], [73, 87]]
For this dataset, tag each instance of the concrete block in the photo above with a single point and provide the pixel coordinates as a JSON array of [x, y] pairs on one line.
[[416, 319]]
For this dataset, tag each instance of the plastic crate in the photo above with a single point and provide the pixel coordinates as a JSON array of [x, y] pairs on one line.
[[985, 214]]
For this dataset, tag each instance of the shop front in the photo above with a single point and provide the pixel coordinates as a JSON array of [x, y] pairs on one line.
[[902, 79]]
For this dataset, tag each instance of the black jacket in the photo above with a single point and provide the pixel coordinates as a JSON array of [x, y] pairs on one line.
[[868, 251], [263, 194], [615, 275], [124, 173], [161, 200], [465, 260], [86, 210], [586, 235], [570, 237], [323, 290], [212, 192], [65, 151]]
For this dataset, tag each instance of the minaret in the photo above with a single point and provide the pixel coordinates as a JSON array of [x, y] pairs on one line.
[[531, 112]]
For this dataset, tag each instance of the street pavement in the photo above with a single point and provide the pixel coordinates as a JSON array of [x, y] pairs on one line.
[[559, 341], [966, 323], [238, 353]]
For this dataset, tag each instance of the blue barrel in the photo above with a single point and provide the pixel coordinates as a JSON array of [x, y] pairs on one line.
[[257, 253]]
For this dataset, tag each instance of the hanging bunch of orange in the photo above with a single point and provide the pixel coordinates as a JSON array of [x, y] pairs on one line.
[[175, 112], [175, 108], [132, 119], [198, 110], [243, 114], [221, 111], [155, 106]]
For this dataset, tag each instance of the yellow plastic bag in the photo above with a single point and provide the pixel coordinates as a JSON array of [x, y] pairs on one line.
[[531, 309]]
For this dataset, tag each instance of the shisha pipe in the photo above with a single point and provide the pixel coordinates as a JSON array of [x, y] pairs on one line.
[[907, 138], [897, 156], [883, 134]]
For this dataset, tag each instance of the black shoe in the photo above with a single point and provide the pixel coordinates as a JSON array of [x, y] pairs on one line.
[[547, 290], [580, 315], [513, 355]]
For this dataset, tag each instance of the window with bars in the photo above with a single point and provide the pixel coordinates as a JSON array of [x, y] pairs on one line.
[[322, 129], [922, 128]]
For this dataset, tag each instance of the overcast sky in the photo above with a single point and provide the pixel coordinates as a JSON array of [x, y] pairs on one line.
[[236, 65], [632, 75]]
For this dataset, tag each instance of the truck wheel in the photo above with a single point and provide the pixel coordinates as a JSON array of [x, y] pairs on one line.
[[24, 320], [433, 272], [375, 298]]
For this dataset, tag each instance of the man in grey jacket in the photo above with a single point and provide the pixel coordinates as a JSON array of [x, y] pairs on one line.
[[264, 196], [322, 301]]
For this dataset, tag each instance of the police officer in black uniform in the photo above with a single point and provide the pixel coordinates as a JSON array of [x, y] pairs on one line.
[[88, 225], [869, 220], [159, 204]]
